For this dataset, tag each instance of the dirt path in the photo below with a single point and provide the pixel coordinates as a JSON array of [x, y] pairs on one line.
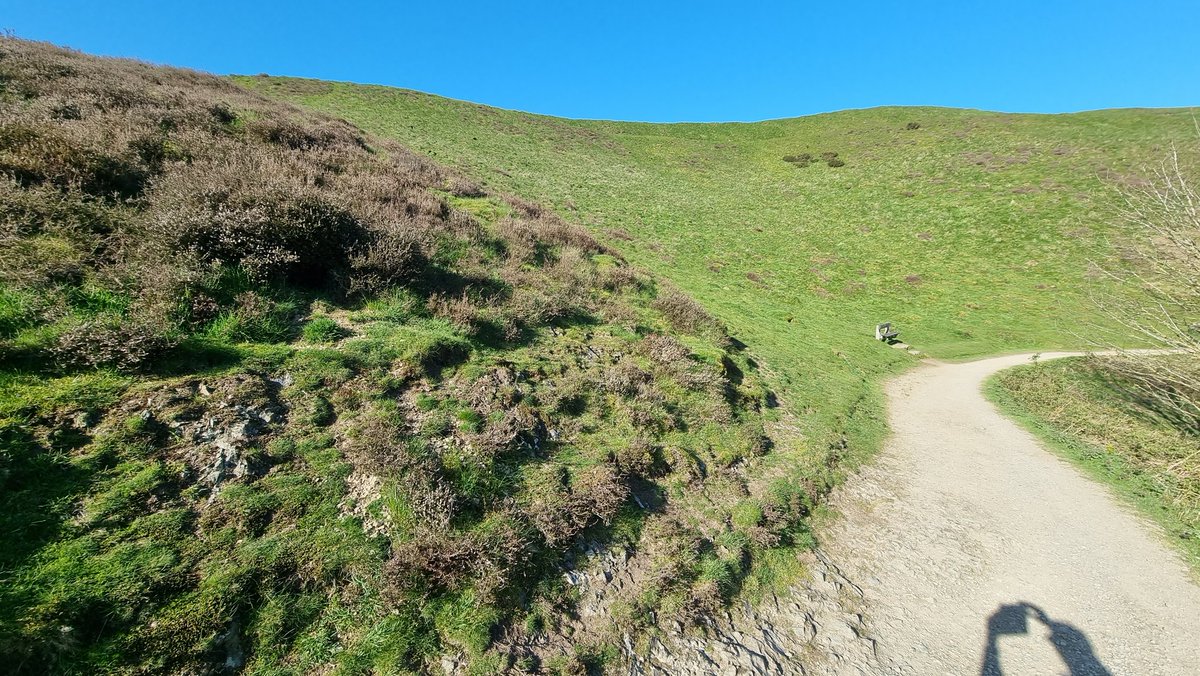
[[977, 551]]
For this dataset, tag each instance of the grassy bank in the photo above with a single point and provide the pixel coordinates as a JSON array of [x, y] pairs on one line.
[[1079, 413], [277, 396], [972, 230]]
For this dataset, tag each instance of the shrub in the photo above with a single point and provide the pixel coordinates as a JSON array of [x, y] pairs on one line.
[[801, 160], [394, 256], [561, 508], [275, 232], [624, 378], [463, 187], [126, 344], [686, 314], [912, 126], [835, 162], [485, 557], [223, 114]]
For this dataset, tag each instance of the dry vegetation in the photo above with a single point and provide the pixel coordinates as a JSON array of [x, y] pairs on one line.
[[281, 397], [1161, 274], [1132, 417]]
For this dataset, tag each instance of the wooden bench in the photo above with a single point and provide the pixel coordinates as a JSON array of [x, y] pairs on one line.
[[885, 332]]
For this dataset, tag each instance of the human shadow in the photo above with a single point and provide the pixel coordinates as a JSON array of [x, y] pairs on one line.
[[1072, 644]]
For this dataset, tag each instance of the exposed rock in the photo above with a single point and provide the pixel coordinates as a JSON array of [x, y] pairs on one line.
[[361, 491], [231, 645], [817, 627], [215, 423]]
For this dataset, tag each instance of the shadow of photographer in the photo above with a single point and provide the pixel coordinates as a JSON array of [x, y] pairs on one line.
[[1071, 644]]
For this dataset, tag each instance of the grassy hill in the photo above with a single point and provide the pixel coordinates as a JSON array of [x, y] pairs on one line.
[[278, 396], [973, 231], [284, 394]]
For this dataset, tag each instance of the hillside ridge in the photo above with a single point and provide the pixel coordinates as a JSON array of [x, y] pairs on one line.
[[785, 118]]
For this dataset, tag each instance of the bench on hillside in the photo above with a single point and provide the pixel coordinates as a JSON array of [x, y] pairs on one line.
[[885, 332]]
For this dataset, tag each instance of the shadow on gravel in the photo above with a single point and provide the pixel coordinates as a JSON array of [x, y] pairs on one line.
[[1072, 644]]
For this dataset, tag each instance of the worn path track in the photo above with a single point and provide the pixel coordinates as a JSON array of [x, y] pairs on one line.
[[978, 551]]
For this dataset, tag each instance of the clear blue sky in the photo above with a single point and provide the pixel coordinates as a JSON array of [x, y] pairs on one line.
[[670, 61]]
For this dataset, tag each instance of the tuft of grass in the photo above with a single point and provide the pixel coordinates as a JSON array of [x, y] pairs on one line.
[[428, 344], [323, 330]]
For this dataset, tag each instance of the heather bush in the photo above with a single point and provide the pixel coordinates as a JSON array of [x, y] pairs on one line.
[[463, 187], [802, 160], [124, 343], [686, 315], [277, 229]]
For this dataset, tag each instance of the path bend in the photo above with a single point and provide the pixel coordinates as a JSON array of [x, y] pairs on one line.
[[978, 551]]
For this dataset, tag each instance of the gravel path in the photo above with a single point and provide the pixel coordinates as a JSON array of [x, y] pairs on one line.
[[977, 551]]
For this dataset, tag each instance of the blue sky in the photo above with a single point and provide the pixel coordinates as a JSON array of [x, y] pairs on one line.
[[671, 61]]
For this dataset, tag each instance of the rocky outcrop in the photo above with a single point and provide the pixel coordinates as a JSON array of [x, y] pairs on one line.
[[215, 424], [816, 627]]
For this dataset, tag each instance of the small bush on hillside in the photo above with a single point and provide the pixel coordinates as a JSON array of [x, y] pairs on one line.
[[686, 314], [911, 126], [801, 160], [276, 233], [462, 187], [112, 341], [835, 162]]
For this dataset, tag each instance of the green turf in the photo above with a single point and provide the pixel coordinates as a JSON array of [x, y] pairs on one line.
[[973, 232]]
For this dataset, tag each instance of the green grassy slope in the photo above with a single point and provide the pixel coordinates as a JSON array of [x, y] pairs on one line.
[[973, 232]]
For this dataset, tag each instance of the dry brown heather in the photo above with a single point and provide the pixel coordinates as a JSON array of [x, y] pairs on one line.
[[280, 396]]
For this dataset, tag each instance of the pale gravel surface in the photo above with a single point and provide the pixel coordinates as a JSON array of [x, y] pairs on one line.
[[964, 512]]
